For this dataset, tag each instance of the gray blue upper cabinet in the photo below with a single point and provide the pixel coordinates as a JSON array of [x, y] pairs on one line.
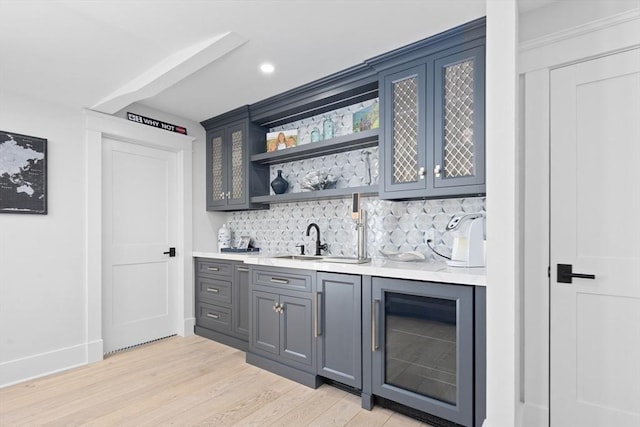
[[431, 136], [432, 117], [231, 178]]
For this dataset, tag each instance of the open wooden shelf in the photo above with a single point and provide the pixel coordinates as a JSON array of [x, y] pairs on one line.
[[354, 141]]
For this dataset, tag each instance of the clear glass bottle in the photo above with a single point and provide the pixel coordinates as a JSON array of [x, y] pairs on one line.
[[315, 135], [327, 126]]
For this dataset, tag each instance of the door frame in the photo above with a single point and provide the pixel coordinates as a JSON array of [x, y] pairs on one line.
[[98, 126], [537, 59]]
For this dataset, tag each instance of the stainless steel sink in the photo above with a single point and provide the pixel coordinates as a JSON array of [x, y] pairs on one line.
[[301, 257], [345, 260], [320, 258]]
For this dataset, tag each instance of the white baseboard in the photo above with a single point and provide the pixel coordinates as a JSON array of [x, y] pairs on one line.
[[189, 324], [534, 416], [39, 365], [95, 351]]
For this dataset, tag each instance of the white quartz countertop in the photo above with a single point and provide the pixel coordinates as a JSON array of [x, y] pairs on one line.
[[415, 270]]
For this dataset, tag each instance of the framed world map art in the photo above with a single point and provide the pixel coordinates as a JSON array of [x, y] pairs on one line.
[[23, 174]]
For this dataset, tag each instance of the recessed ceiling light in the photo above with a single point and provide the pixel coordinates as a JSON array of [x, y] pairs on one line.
[[267, 68]]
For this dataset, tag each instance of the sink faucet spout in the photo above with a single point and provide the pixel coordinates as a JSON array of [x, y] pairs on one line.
[[319, 246]]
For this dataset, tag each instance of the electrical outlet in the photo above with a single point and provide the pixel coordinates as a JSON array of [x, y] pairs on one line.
[[430, 234]]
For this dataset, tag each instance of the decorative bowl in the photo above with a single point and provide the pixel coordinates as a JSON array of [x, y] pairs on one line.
[[320, 179]]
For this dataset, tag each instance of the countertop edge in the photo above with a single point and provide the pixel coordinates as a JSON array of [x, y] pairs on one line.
[[429, 271]]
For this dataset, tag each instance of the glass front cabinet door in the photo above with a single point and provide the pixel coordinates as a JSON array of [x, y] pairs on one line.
[[403, 98], [459, 150], [231, 178], [432, 136], [422, 346]]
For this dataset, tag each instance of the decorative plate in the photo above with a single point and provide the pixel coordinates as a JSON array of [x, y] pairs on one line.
[[403, 256]]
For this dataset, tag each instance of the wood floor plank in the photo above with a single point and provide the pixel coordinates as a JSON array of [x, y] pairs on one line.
[[375, 418], [271, 411], [306, 411], [180, 381], [340, 413]]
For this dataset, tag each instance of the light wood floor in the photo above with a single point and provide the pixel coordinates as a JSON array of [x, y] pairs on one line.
[[183, 382]]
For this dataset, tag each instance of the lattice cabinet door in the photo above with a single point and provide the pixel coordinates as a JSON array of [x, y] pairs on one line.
[[459, 126], [216, 165], [405, 125], [237, 164]]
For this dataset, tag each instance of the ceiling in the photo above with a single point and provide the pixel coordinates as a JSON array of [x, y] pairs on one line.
[[199, 58]]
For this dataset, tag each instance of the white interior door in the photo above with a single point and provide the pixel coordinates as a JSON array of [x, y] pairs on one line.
[[139, 225], [595, 203]]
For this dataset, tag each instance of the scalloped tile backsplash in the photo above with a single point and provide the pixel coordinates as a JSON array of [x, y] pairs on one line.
[[391, 226]]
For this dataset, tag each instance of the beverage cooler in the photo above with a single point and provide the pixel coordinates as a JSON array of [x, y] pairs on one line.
[[422, 344]]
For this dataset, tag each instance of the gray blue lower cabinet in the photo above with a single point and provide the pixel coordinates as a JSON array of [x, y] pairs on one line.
[[222, 301], [422, 352], [417, 344], [338, 327], [281, 336]]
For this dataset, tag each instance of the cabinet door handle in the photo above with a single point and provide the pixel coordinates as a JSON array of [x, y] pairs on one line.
[[374, 321], [213, 316], [228, 194], [281, 307], [222, 195], [421, 172], [276, 308], [437, 171], [243, 269], [214, 290], [317, 331], [213, 269], [279, 281]]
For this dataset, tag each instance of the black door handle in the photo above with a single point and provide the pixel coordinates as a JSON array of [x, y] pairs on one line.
[[566, 274], [172, 252]]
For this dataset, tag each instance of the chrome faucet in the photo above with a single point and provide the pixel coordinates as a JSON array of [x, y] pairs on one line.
[[361, 226], [319, 246]]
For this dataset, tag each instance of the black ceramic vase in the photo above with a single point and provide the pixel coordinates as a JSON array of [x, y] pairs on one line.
[[279, 184]]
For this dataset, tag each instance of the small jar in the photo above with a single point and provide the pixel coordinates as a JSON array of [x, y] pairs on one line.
[[315, 135]]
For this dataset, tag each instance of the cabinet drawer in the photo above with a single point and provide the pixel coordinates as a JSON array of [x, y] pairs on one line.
[[214, 317], [286, 279], [213, 267], [214, 290]]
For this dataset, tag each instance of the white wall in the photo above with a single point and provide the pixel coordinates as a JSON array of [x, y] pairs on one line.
[[564, 14], [503, 247], [42, 295]]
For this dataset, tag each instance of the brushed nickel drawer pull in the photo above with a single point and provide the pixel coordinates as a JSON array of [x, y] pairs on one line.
[[243, 269], [213, 316], [213, 269], [214, 290], [316, 327], [374, 321], [279, 281]]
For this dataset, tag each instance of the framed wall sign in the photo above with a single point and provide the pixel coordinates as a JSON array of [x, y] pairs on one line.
[[23, 173]]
